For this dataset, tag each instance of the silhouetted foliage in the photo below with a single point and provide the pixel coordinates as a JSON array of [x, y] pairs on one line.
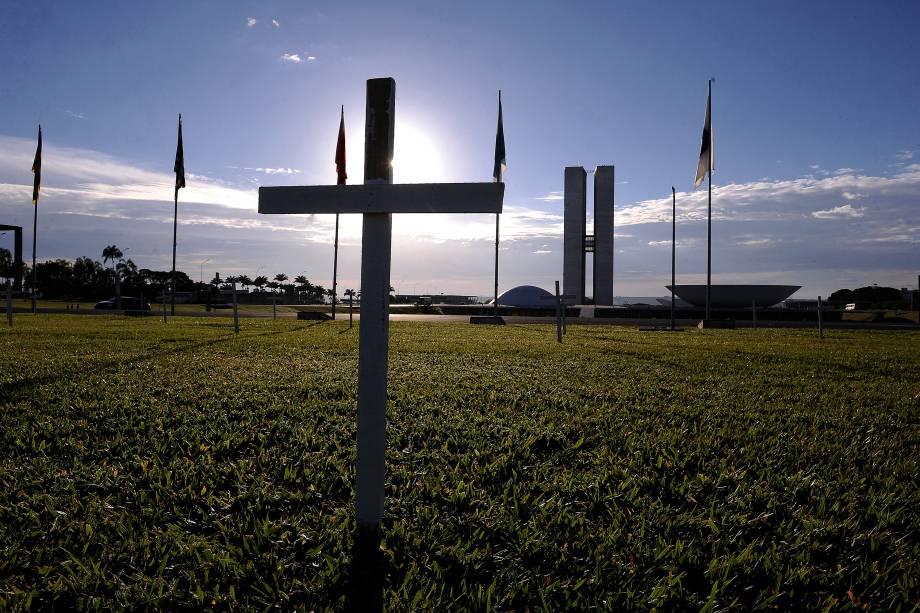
[[6, 263], [870, 297]]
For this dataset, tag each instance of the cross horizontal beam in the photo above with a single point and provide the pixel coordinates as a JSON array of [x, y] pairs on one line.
[[383, 198]]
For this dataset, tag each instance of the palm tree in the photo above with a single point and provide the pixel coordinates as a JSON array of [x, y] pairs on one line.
[[244, 281], [272, 285], [302, 283], [260, 282], [113, 253], [281, 277]]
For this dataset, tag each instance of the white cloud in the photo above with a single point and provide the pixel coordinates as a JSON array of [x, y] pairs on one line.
[[552, 197], [755, 242], [275, 23], [292, 57], [276, 171], [75, 114], [904, 155], [542, 251], [845, 171], [687, 242], [851, 196], [845, 211], [251, 21], [311, 58], [90, 175]]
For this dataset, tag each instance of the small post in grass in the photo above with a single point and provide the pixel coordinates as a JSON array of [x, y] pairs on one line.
[[117, 289], [9, 302], [351, 297], [754, 313], [163, 302], [274, 308], [236, 315], [562, 310], [558, 315], [820, 319]]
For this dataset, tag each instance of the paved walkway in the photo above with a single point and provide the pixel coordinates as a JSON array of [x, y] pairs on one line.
[[509, 319]]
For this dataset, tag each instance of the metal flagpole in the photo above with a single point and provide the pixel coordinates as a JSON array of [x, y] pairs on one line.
[[709, 218], [175, 224], [335, 264], [495, 303], [499, 161], [673, 245], [34, 237]]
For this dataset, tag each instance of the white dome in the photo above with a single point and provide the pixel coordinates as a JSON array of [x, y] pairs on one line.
[[527, 296]]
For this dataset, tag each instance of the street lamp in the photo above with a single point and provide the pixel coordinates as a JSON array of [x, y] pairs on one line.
[[201, 270]]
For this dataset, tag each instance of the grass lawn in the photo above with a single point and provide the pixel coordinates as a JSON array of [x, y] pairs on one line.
[[179, 466]]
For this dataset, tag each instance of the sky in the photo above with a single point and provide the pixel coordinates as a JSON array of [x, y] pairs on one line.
[[815, 121]]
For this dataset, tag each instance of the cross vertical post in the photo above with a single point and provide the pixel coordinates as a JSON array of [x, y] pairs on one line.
[[376, 200], [376, 238]]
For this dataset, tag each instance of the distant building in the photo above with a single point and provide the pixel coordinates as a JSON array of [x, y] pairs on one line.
[[527, 296], [576, 242]]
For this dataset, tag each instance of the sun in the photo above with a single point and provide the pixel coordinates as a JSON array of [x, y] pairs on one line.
[[416, 159]]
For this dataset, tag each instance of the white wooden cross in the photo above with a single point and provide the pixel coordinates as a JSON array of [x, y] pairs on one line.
[[376, 200]]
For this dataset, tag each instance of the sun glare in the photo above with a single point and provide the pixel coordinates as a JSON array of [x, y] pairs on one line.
[[416, 159]]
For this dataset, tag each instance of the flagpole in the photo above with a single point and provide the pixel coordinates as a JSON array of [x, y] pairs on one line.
[[34, 242], [495, 305], [175, 224], [341, 178], [709, 220], [673, 245], [498, 179], [335, 263]]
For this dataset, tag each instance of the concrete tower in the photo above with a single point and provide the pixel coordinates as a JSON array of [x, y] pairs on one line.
[[576, 242], [603, 235], [573, 254]]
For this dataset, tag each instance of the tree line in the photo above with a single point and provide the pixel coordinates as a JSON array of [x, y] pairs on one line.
[[87, 279]]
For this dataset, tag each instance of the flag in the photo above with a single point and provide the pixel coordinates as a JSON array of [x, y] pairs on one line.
[[340, 153], [37, 168], [706, 163], [179, 168], [500, 162]]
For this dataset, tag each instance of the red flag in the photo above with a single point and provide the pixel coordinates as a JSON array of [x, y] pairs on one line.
[[340, 153]]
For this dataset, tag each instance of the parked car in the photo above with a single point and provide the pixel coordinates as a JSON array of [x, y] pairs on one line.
[[127, 304], [423, 301]]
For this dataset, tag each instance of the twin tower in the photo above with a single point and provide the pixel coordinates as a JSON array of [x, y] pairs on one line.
[[576, 242]]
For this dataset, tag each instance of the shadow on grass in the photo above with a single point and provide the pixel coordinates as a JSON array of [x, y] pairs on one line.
[[8, 391]]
